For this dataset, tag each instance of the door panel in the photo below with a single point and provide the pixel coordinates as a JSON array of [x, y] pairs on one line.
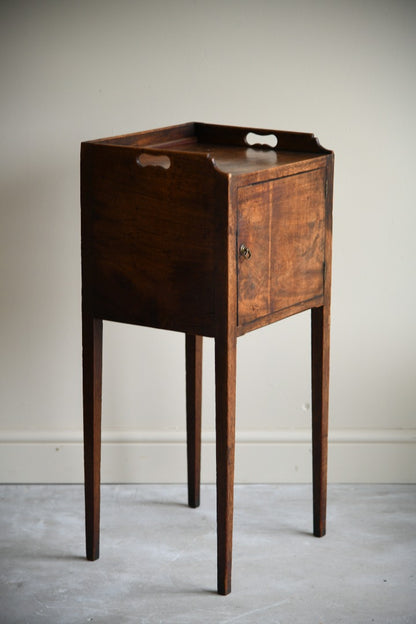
[[282, 222]]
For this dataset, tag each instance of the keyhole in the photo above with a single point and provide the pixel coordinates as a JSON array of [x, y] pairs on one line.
[[245, 251]]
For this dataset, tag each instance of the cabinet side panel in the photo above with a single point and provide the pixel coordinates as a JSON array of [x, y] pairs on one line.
[[151, 243]]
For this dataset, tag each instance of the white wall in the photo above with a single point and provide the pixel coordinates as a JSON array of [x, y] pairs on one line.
[[72, 71]]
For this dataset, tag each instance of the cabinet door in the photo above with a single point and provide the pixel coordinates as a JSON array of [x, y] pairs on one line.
[[282, 223]]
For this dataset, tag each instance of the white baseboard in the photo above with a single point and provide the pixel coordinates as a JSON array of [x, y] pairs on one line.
[[283, 456]]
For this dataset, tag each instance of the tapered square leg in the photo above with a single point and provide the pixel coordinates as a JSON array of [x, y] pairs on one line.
[[92, 332], [320, 395], [193, 351], [225, 382]]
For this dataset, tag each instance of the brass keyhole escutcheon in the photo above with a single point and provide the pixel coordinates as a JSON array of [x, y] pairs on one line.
[[245, 251]]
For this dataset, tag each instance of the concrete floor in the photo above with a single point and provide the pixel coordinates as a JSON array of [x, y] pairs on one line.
[[158, 561]]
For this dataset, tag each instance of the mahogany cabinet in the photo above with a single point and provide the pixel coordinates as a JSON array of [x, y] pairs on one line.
[[211, 231]]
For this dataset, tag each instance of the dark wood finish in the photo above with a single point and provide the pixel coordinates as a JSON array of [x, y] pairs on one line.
[[193, 350], [320, 392], [320, 333], [236, 136], [92, 330], [225, 387], [150, 226], [225, 384], [193, 229]]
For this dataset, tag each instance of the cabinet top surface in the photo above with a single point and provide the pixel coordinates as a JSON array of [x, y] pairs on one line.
[[232, 150], [238, 160]]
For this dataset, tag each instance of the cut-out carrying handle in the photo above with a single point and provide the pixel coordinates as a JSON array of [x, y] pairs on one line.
[[153, 160], [239, 136], [265, 141]]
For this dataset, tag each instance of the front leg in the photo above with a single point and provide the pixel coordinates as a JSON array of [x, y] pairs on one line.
[[225, 380], [320, 396]]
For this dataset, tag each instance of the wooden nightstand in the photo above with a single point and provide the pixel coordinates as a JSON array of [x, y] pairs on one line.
[[210, 231]]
